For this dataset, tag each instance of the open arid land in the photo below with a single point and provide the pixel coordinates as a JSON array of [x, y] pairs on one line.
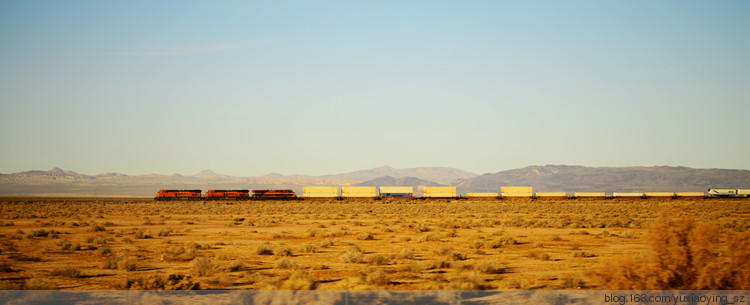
[[125, 243]]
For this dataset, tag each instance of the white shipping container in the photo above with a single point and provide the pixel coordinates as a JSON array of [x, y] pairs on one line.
[[627, 194], [396, 190], [358, 191]]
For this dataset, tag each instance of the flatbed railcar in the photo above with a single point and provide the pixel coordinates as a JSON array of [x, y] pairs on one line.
[[166, 195]]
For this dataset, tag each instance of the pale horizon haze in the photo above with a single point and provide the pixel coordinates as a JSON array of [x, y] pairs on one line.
[[247, 88]]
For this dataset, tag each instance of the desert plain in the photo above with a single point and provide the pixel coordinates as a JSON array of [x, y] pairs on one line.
[[139, 243]]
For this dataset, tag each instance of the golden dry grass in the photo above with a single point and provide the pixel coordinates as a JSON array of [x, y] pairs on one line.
[[79, 243]]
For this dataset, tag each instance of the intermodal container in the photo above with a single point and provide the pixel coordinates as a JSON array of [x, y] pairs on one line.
[[516, 189], [627, 195], [482, 195], [659, 195], [589, 195], [551, 195], [358, 192], [690, 195], [320, 191], [396, 191], [517, 195], [439, 191]]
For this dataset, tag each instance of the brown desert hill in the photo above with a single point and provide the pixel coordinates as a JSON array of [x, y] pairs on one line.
[[58, 182], [403, 181], [437, 174], [551, 178]]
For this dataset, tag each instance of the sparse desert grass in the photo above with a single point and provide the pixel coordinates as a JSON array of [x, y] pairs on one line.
[[519, 244], [684, 255]]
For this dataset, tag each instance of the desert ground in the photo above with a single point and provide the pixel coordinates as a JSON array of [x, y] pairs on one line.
[[136, 243]]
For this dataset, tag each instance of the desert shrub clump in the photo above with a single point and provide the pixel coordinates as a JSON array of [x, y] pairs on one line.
[[353, 255], [264, 249], [203, 266], [159, 281], [67, 271], [683, 254]]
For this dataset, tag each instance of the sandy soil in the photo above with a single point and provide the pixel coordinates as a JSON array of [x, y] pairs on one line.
[[125, 243]]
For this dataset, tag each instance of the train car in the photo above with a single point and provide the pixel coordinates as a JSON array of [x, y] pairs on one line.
[[551, 195], [516, 192], [164, 195], [320, 192], [631, 195], [589, 195], [396, 192], [660, 195], [689, 195], [439, 192], [227, 195], [743, 192], [482, 196], [274, 195], [359, 192]]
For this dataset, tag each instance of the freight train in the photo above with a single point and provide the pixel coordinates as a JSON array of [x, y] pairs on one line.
[[165, 195], [401, 192]]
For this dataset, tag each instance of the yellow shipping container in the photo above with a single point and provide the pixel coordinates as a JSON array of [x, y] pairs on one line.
[[517, 195], [320, 191], [516, 189], [554, 194], [358, 191], [439, 191], [584, 195], [397, 189], [690, 194], [659, 194], [481, 194]]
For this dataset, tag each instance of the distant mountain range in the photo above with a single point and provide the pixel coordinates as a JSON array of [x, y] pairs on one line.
[[444, 175], [404, 181], [60, 182], [563, 178]]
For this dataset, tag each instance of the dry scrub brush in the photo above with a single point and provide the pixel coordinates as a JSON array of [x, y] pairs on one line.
[[686, 255]]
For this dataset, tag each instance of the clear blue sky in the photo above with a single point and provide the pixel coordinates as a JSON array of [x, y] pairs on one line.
[[319, 87]]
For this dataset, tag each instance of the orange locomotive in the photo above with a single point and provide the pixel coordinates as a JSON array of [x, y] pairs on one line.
[[227, 194], [178, 195], [274, 195]]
